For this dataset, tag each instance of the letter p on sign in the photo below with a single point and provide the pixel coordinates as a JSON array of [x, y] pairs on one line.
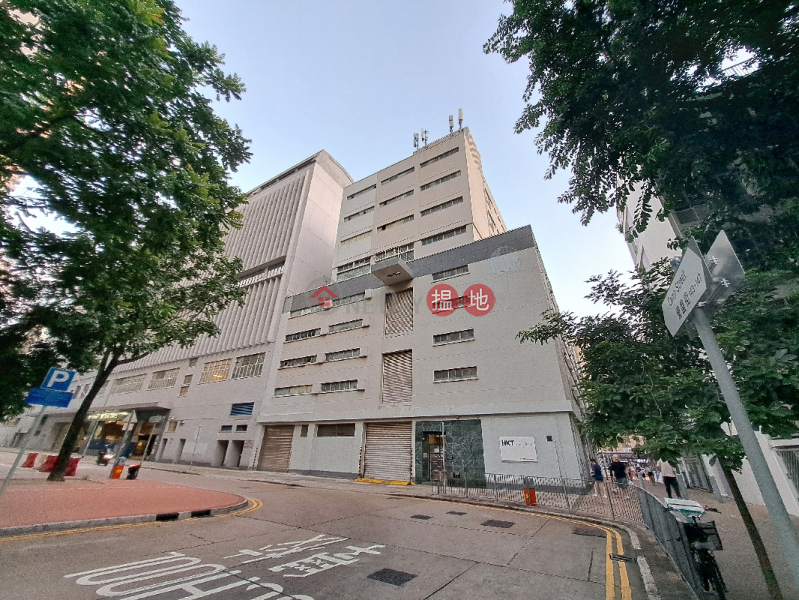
[[58, 379]]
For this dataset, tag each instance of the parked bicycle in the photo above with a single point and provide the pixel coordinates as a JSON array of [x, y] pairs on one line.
[[703, 539]]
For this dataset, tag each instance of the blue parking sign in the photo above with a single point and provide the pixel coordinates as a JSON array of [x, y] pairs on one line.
[[58, 379], [45, 397]]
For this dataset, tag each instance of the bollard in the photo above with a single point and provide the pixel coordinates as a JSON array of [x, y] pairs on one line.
[[30, 461], [117, 471], [72, 468], [133, 471], [529, 497], [49, 463]]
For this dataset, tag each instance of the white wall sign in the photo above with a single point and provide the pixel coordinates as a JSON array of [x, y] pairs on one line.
[[517, 449]]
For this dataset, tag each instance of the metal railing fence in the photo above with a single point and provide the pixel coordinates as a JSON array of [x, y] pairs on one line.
[[629, 503], [603, 499]]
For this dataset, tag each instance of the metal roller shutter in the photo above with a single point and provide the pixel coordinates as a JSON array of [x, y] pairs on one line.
[[388, 451], [398, 377], [399, 312], [276, 448]]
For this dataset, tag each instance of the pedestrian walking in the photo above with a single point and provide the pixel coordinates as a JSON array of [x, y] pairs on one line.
[[619, 471], [596, 473], [669, 477]]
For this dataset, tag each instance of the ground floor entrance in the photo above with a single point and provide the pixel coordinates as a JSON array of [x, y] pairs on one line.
[[276, 448], [388, 450]]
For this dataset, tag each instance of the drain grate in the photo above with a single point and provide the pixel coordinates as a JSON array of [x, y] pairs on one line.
[[494, 523], [588, 531], [616, 557], [422, 517], [456, 512], [391, 576]]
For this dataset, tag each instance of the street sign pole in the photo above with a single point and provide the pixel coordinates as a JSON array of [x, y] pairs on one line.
[[24, 447], [754, 453]]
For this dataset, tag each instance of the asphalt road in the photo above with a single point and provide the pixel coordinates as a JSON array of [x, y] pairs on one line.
[[324, 544]]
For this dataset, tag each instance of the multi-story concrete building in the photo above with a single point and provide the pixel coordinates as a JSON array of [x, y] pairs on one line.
[[408, 365], [378, 339], [782, 455], [200, 403]]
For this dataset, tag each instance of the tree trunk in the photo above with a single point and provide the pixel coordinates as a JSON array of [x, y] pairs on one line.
[[62, 462], [760, 549]]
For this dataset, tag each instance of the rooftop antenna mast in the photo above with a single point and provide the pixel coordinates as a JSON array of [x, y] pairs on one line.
[[424, 136], [415, 140], [451, 125], [460, 118]]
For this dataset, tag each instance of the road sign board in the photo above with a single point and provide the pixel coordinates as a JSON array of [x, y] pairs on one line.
[[58, 379], [48, 397], [687, 289]]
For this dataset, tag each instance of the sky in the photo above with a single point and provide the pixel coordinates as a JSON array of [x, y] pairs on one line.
[[358, 78]]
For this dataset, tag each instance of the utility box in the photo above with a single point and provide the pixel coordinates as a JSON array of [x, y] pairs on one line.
[[529, 497]]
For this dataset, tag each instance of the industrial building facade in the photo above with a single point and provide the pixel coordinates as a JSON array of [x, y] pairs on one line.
[[378, 339]]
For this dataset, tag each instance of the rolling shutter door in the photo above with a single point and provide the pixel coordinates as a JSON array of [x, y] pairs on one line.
[[398, 377], [399, 312], [276, 448], [388, 451]]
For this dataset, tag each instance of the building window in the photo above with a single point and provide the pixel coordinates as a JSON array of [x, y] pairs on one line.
[[297, 362], [353, 269], [340, 386], [396, 223], [397, 377], [303, 335], [443, 236], [440, 180], [184, 391], [192, 362], [488, 197], [248, 366], [467, 335], [399, 312], [398, 175], [173, 425], [464, 270], [305, 311], [215, 371], [342, 355], [242, 409], [455, 374], [275, 270], [407, 194], [345, 326], [335, 430], [360, 213], [303, 431], [187, 379], [348, 299], [439, 157], [355, 238], [163, 379], [404, 252], [442, 206], [360, 192], [226, 428], [241, 428], [491, 223], [295, 390], [126, 385]]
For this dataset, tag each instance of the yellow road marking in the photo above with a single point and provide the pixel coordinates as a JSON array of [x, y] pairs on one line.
[[610, 576]]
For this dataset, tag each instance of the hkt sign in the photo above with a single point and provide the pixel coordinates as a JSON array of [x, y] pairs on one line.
[[443, 300]]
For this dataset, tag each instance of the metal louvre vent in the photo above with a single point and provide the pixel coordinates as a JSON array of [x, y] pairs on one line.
[[399, 312], [388, 451], [276, 448], [398, 377]]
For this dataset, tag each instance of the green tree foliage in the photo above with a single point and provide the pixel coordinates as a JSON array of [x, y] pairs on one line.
[[637, 97], [635, 378], [106, 108]]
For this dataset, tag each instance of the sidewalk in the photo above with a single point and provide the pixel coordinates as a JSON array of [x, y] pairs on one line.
[[32, 505]]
